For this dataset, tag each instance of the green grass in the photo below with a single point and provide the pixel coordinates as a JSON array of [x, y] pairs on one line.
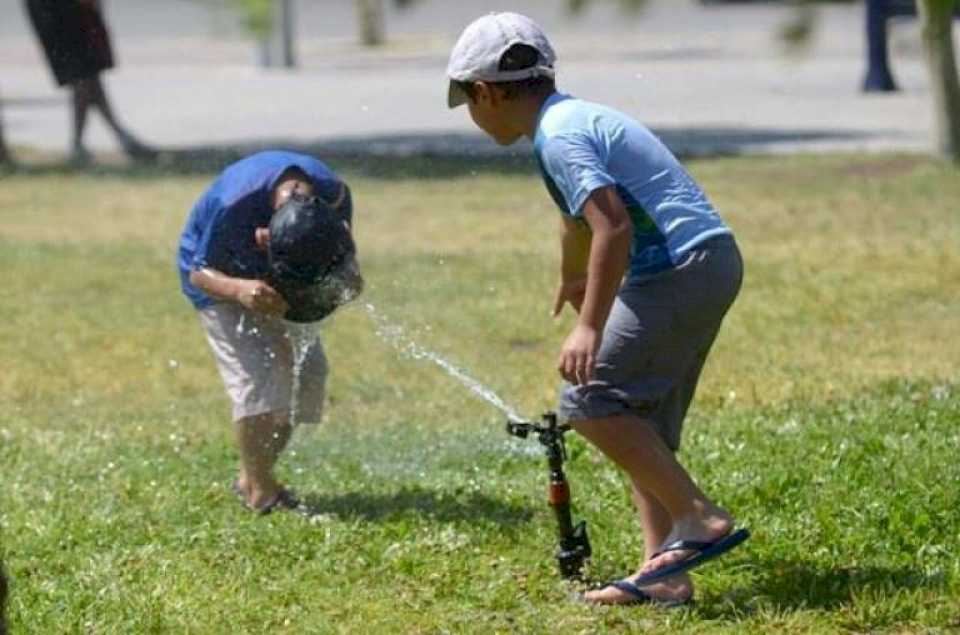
[[827, 418]]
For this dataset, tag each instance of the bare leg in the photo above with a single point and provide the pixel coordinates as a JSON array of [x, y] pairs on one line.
[[261, 439], [98, 98], [656, 525], [637, 449], [81, 92]]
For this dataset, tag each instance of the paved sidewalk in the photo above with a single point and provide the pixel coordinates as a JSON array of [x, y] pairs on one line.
[[709, 79]]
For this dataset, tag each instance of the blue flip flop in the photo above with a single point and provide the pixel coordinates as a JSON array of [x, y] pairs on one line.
[[702, 552], [638, 596]]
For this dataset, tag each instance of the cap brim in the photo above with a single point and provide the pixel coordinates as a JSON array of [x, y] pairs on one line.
[[455, 95]]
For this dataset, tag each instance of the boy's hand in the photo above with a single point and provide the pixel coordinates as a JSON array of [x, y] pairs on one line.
[[259, 296], [579, 354], [572, 291]]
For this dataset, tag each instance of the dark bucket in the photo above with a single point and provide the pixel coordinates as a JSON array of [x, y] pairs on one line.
[[311, 251]]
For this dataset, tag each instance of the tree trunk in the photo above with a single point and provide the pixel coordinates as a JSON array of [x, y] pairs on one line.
[[370, 15], [936, 16]]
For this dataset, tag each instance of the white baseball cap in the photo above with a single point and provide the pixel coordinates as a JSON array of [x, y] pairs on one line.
[[476, 55]]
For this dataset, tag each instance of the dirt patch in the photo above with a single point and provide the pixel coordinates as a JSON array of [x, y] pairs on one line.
[[886, 167], [520, 344]]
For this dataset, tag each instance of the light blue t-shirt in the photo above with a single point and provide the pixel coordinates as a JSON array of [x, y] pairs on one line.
[[582, 147]]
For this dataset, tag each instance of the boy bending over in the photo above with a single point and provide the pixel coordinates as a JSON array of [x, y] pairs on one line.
[[243, 286]]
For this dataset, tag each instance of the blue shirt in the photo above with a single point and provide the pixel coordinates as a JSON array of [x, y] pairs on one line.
[[582, 147], [220, 231]]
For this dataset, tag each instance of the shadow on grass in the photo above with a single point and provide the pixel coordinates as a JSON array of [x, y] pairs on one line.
[[431, 155], [798, 585], [427, 504], [399, 157]]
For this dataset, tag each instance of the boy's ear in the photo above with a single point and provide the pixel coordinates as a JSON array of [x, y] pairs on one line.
[[485, 91]]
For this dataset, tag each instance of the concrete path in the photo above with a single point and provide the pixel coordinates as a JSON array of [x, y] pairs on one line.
[[709, 79]]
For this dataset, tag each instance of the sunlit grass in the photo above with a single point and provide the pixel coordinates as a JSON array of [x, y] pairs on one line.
[[827, 417]]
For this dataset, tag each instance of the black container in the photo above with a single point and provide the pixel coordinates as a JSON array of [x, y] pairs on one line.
[[311, 249]]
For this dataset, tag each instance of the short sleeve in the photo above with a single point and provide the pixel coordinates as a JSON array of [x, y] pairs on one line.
[[210, 213], [575, 166]]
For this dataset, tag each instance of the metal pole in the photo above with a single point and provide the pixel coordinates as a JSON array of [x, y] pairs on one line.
[[285, 22], [879, 78]]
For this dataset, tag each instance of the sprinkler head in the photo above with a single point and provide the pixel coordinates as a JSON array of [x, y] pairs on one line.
[[519, 429], [522, 429]]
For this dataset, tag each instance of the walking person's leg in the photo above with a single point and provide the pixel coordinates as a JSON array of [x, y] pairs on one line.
[[81, 94], [90, 92]]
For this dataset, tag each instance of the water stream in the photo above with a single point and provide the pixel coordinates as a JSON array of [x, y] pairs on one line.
[[394, 335]]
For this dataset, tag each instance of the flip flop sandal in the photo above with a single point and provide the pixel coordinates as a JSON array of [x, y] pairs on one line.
[[638, 596], [285, 499], [702, 552]]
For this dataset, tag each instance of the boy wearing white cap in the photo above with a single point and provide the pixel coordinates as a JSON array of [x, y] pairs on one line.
[[651, 270]]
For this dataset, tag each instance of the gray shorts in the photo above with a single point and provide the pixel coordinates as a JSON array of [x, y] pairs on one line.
[[656, 340], [255, 357]]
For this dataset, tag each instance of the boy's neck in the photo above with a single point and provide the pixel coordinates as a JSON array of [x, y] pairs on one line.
[[528, 113]]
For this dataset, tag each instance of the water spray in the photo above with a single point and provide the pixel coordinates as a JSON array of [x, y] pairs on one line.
[[574, 546]]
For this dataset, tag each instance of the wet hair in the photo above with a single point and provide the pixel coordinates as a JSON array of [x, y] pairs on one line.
[[517, 58]]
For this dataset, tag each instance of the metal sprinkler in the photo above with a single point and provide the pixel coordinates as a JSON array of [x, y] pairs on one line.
[[574, 546]]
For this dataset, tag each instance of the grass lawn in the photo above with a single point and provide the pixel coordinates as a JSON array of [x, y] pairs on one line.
[[828, 418]]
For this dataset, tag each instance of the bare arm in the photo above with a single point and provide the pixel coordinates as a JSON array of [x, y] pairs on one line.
[[255, 295], [612, 232], [574, 254], [609, 254]]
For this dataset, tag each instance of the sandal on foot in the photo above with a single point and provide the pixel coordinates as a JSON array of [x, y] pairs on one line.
[[285, 499], [637, 596], [702, 552]]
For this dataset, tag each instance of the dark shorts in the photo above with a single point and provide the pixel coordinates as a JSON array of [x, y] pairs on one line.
[[656, 340]]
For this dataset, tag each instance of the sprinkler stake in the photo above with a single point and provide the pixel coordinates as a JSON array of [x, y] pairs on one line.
[[574, 546]]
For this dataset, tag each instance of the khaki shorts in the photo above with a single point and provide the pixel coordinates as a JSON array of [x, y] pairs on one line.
[[656, 340], [255, 357]]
